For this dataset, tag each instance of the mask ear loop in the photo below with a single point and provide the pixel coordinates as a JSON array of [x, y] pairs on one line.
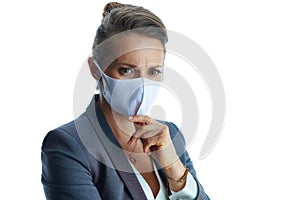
[[100, 88], [99, 68]]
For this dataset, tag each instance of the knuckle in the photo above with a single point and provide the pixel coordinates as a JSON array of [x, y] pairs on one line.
[[147, 118], [136, 117], [165, 128]]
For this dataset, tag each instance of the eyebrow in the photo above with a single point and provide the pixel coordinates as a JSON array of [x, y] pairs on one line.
[[134, 66], [128, 64]]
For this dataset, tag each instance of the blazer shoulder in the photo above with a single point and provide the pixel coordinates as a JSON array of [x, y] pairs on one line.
[[65, 143], [63, 137]]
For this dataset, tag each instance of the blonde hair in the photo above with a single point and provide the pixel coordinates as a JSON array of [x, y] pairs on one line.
[[119, 17]]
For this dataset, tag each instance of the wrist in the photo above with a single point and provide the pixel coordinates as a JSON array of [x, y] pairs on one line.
[[176, 174], [182, 178], [175, 169]]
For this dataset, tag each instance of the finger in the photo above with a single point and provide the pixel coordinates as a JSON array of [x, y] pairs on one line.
[[145, 133], [151, 133], [137, 135], [140, 119], [151, 145], [132, 140]]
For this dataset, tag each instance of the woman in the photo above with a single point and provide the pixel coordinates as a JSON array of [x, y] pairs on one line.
[[113, 150]]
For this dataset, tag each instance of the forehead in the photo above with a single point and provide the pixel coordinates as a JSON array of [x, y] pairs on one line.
[[133, 47], [139, 48], [142, 57], [133, 41]]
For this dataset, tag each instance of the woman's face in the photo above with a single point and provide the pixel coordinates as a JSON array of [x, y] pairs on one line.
[[147, 61]]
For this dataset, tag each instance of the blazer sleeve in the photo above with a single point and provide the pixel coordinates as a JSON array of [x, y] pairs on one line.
[[66, 173], [186, 160]]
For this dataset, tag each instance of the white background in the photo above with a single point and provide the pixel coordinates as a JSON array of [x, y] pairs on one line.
[[254, 44]]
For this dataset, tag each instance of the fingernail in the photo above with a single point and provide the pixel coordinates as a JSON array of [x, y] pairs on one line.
[[130, 118], [129, 142]]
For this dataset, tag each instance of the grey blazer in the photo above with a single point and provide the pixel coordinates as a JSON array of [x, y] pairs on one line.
[[82, 160]]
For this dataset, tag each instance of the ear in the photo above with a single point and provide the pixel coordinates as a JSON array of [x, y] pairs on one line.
[[93, 69]]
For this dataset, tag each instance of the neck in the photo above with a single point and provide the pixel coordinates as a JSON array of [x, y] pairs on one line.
[[121, 127]]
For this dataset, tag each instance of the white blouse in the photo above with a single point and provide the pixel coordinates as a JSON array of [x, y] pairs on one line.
[[188, 192]]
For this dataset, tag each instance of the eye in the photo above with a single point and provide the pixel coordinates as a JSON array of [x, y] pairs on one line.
[[124, 71], [155, 72]]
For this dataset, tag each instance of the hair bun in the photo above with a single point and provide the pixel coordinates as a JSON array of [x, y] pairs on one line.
[[109, 6]]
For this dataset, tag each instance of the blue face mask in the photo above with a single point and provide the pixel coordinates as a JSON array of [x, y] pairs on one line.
[[130, 96]]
